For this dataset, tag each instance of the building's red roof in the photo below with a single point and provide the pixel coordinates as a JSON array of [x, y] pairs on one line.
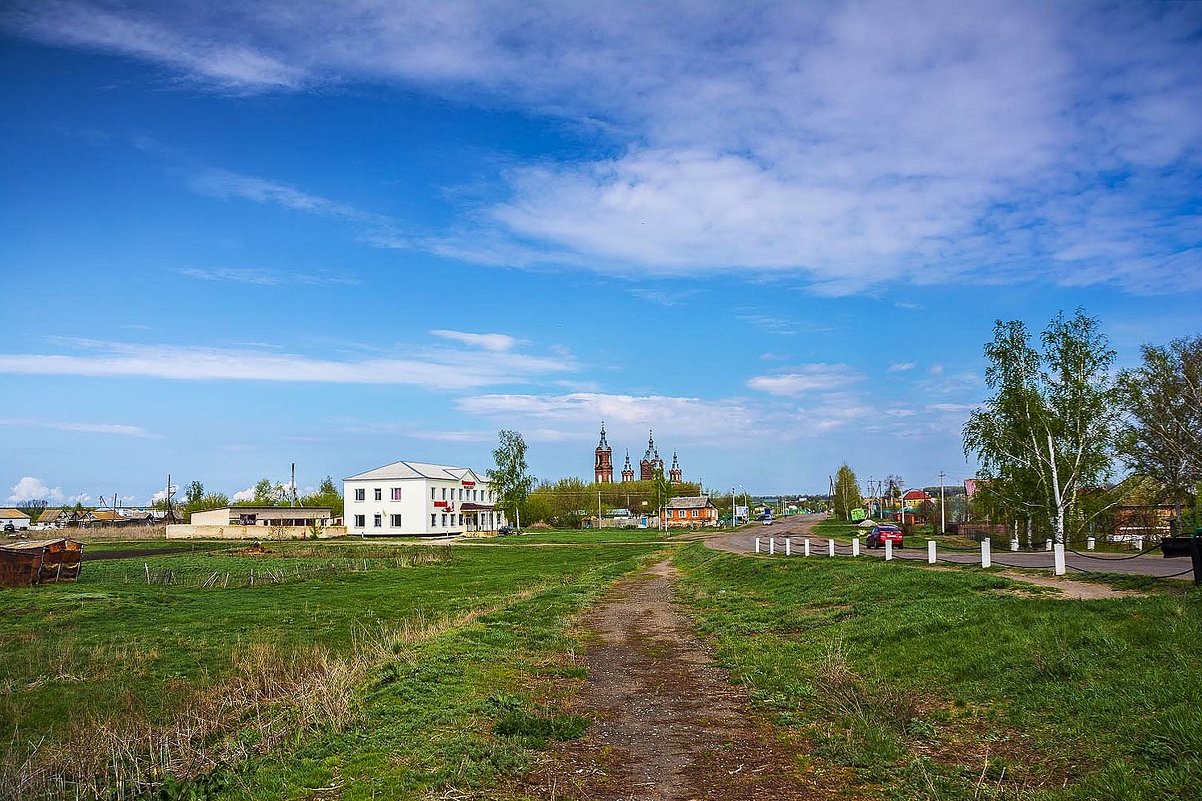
[[916, 495]]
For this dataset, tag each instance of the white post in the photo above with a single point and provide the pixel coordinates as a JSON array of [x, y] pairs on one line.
[[1049, 545], [788, 546], [930, 552], [1139, 542], [1090, 543], [805, 546], [986, 554], [830, 546], [1014, 543], [888, 550], [757, 544], [772, 546], [855, 546], [1059, 559]]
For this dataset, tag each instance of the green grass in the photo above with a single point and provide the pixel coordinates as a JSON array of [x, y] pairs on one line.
[[932, 684], [429, 649]]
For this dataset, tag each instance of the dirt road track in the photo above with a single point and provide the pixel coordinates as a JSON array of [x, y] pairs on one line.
[[668, 725]]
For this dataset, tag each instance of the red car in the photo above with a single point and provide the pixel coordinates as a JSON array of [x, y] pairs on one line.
[[882, 534]]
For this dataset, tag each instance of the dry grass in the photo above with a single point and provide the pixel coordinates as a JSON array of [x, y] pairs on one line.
[[271, 696]]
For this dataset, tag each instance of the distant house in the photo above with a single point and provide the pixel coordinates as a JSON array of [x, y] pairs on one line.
[[258, 522], [52, 518], [420, 499], [915, 498], [15, 518], [685, 512]]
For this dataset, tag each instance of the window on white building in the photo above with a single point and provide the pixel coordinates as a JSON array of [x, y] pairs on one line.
[[396, 493], [444, 493], [433, 521], [360, 495], [378, 521], [396, 521], [432, 490], [444, 520], [360, 521], [379, 494]]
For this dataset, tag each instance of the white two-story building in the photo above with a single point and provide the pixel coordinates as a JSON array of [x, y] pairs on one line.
[[420, 499]]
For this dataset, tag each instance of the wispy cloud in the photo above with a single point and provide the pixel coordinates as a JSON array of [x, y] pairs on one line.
[[227, 64], [86, 428], [430, 367], [900, 367], [806, 378], [846, 145], [266, 277], [493, 342], [377, 229]]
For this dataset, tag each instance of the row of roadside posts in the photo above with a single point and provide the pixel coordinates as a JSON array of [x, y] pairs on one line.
[[932, 554]]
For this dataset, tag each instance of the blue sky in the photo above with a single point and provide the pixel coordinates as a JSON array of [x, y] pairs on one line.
[[778, 235]]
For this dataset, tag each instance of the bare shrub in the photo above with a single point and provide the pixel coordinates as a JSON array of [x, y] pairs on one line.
[[844, 693]]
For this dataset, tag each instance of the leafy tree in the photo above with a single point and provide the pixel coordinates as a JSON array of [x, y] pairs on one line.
[[327, 494], [33, 508], [509, 478], [847, 492], [1050, 426], [1162, 438], [662, 490], [193, 494]]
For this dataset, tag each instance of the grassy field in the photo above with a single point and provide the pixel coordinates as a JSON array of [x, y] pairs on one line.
[[942, 685], [382, 669]]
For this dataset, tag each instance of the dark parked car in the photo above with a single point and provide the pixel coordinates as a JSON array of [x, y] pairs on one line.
[[505, 531], [882, 534]]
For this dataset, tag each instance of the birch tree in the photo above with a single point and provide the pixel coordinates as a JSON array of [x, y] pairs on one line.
[[1049, 429], [509, 478]]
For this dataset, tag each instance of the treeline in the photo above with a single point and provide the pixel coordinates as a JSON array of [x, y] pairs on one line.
[[567, 502], [266, 493]]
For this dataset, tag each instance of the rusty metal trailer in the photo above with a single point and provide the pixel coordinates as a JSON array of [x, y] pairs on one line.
[[30, 562]]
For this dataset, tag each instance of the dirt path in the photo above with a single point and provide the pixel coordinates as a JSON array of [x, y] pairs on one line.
[[667, 724]]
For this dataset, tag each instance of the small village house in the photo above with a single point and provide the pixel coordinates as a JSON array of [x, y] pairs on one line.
[[258, 522], [15, 518], [687, 512]]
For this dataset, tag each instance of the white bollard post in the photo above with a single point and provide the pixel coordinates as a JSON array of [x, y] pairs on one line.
[[772, 546], [1059, 559], [1049, 544], [1014, 543], [1139, 543], [930, 552], [805, 546], [986, 554], [1090, 543], [855, 546], [788, 546], [830, 545], [757, 544], [888, 550]]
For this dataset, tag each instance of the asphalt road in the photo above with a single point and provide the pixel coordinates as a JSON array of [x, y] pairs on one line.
[[799, 527]]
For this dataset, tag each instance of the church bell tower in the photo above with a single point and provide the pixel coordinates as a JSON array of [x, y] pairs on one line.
[[603, 466], [674, 475], [627, 470]]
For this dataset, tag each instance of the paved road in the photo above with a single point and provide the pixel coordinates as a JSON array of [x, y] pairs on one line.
[[798, 527]]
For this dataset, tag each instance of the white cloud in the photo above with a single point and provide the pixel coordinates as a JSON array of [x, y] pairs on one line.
[[845, 144], [87, 428], [807, 378], [626, 416], [434, 368], [30, 488], [494, 342], [900, 367], [228, 64], [247, 494]]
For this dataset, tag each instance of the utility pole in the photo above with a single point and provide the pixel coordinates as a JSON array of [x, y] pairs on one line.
[[293, 501], [942, 518], [598, 509]]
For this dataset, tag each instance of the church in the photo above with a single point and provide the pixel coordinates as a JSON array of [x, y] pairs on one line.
[[603, 465]]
